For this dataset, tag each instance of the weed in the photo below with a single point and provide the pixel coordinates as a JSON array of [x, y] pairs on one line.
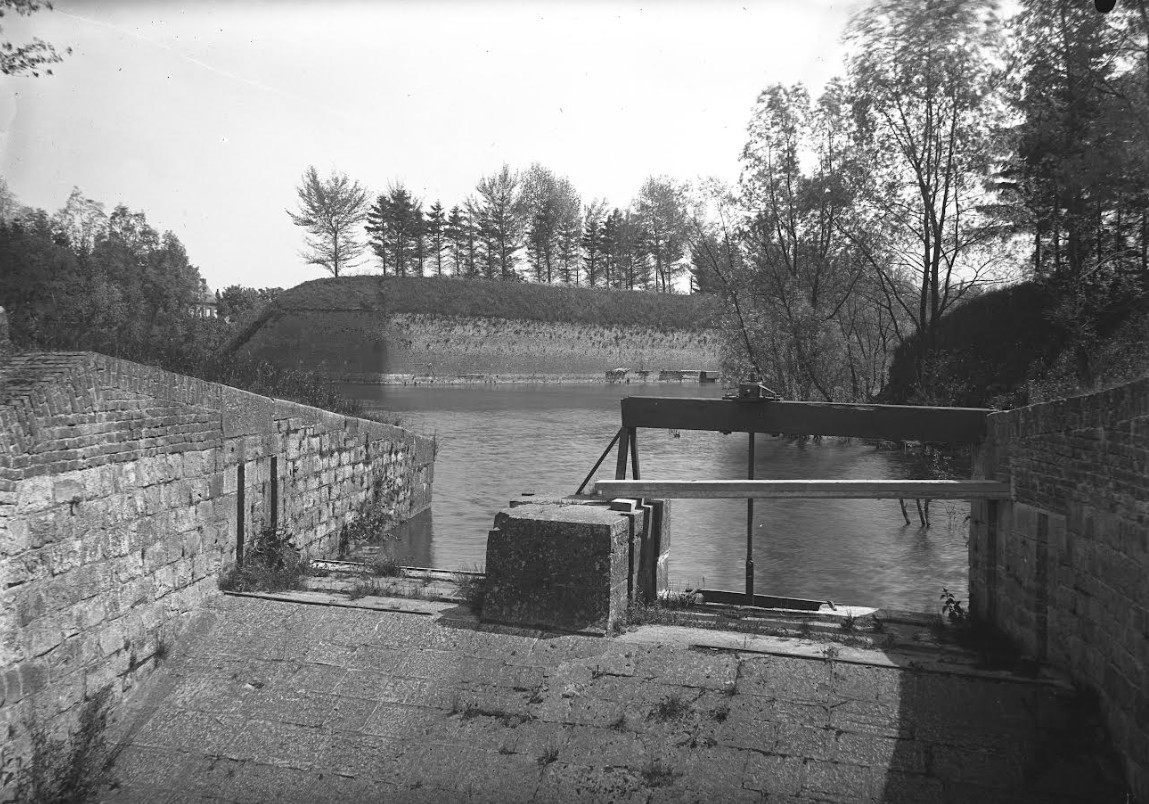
[[848, 623], [273, 564], [362, 588], [952, 607], [669, 708], [385, 566], [655, 774], [473, 590], [537, 696], [720, 713], [162, 650], [806, 629], [878, 626], [69, 769], [619, 723], [831, 652], [549, 755]]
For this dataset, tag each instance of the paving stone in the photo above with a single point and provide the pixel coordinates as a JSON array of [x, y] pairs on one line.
[[349, 714], [586, 745], [386, 706], [400, 722], [834, 781], [581, 783], [280, 743], [254, 783], [777, 776], [363, 756], [184, 730], [785, 678]]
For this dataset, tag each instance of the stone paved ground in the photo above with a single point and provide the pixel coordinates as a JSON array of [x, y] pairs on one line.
[[274, 701]]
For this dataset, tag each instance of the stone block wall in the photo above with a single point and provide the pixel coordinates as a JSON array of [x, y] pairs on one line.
[[125, 490], [1063, 568]]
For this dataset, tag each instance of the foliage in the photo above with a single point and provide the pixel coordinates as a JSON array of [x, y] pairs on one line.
[[396, 226], [472, 589], [500, 217], [271, 564], [953, 608], [330, 211], [84, 280], [71, 769], [969, 368], [485, 299], [662, 217], [32, 56]]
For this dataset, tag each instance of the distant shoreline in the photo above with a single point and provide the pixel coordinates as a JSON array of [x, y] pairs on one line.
[[506, 379]]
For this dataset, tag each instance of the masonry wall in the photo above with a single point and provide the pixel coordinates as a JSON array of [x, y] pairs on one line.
[[125, 490], [1063, 568]]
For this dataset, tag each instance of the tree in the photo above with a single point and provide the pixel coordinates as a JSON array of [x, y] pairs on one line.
[[436, 230], [1079, 175], [82, 221], [331, 211], [457, 233], [591, 243], [797, 178], [395, 224], [661, 211], [501, 221], [925, 79], [31, 57]]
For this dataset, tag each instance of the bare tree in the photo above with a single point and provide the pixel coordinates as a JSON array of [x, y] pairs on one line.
[[924, 82], [331, 211]]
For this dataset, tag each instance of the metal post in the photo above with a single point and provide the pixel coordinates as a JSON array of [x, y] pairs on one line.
[[750, 529]]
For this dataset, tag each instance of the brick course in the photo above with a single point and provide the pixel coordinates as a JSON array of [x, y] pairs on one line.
[[119, 503], [1063, 568]]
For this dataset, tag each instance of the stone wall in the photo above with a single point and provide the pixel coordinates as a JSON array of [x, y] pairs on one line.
[[1063, 568], [124, 490]]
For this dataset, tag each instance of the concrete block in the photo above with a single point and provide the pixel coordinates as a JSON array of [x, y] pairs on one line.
[[552, 565]]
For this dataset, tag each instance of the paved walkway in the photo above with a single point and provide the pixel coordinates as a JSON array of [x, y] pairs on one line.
[[274, 701]]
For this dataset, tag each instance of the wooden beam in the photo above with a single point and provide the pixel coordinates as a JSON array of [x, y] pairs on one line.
[[810, 489], [886, 422]]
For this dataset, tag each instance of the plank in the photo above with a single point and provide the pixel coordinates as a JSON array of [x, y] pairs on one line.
[[886, 422], [811, 489]]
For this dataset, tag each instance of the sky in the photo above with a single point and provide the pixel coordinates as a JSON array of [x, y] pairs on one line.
[[204, 115]]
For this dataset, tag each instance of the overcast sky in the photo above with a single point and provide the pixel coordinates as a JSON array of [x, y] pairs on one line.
[[204, 115]]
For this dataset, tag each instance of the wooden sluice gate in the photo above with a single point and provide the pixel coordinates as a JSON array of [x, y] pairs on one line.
[[754, 409]]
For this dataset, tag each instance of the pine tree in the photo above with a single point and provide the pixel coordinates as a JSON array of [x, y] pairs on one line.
[[435, 226]]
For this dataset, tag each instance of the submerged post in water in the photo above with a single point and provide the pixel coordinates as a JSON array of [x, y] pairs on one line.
[[750, 529]]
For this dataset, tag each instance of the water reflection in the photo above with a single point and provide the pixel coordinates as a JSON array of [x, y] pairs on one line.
[[496, 442]]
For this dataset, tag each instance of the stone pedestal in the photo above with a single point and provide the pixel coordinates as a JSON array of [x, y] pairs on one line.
[[571, 565]]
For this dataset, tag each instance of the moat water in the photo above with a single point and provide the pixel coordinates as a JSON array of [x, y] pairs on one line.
[[498, 441]]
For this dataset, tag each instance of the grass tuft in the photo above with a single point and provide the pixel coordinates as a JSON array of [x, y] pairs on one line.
[[669, 708]]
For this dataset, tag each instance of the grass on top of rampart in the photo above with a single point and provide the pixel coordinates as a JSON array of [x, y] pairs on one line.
[[481, 298]]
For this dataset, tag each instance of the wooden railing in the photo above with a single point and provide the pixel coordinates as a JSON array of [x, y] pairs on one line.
[[751, 490], [809, 489]]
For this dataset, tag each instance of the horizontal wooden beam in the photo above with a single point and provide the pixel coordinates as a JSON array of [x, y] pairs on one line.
[[810, 489], [885, 422]]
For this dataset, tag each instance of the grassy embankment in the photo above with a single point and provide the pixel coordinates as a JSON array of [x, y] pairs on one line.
[[377, 329], [1015, 346]]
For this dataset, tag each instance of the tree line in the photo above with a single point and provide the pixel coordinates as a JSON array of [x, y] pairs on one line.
[[530, 224], [84, 278], [959, 152]]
